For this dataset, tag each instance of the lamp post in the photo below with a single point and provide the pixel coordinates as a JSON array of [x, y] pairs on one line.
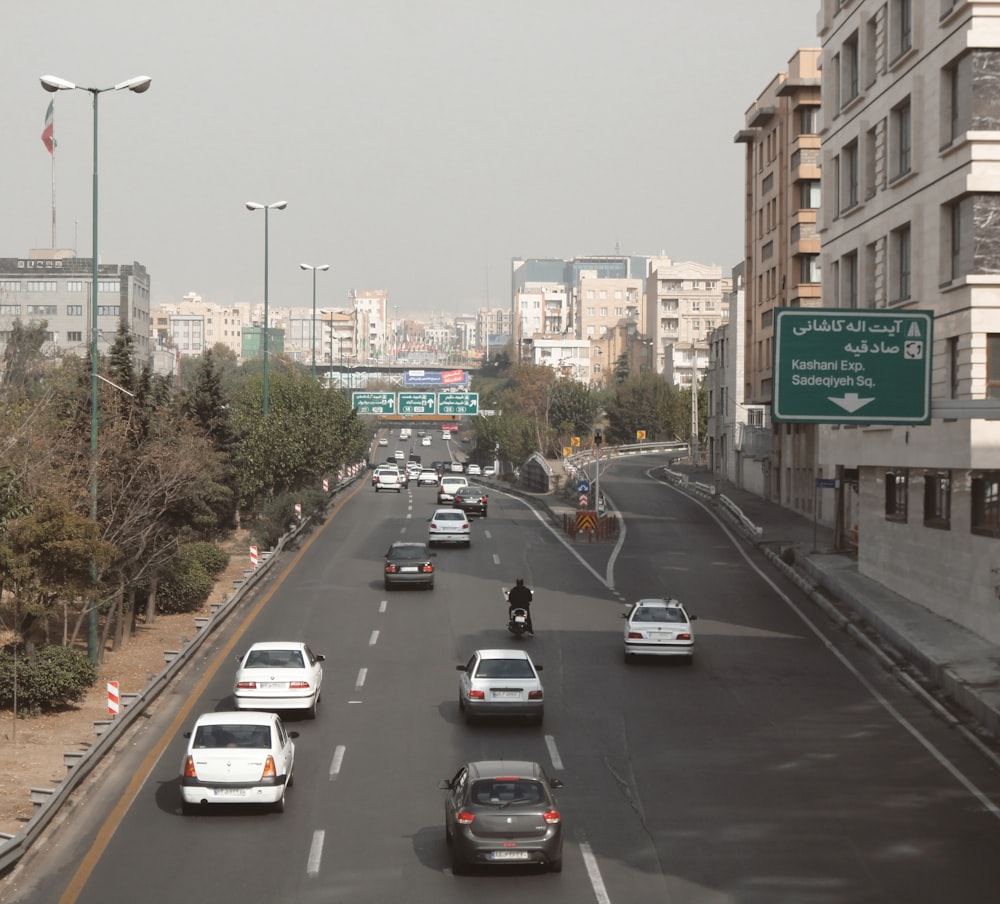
[[267, 208], [314, 269], [138, 84]]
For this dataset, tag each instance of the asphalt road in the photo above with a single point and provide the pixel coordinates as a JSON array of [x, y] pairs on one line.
[[782, 766]]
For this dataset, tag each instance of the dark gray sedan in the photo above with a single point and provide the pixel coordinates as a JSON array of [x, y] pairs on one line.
[[502, 812], [409, 563]]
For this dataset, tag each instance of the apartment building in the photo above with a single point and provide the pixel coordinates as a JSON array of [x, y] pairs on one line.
[[192, 325], [684, 302], [782, 266], [55, 286], [371, 308], [910, 158]]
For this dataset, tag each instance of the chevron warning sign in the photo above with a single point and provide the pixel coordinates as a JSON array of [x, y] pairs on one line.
[[586, 520]]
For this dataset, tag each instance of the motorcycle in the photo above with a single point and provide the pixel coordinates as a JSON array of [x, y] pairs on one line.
[[517, 622]]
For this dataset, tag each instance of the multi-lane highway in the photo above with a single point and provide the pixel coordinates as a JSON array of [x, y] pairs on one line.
[[782, 766]]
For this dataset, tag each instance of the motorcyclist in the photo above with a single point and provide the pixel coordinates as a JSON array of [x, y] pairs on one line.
[[520, 597]]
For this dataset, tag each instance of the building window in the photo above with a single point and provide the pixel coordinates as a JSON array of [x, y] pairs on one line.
[[74, 310], [900, 250], [937, 499], [849, 280], [901, 138], [109, 285], [849, 81], [896, 495], [41, 310], [901, 25], [986, 503], [74, 336], [957, 215], [809, 119], [108, 310], [809, 268], [953, 367], [993, 366], [74, 285], [809, 196], [10, 285], [849, 176], [41, 285], [11, 310], [755, 417]]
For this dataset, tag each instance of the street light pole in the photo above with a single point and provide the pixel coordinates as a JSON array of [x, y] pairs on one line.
[[277, 205], [139, 84], [314, 269]]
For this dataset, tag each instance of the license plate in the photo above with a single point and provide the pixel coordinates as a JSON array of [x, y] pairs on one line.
[[507, 694], [230, 792], [409, 568], [509, 855], [270, 685]]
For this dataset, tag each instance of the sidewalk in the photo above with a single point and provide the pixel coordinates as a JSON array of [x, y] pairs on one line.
[[962, 664]]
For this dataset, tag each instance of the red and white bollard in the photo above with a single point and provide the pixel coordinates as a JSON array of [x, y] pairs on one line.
[[253, 557], [114, 699]]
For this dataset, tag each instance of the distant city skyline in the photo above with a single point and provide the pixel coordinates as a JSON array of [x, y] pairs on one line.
[[420, 147]]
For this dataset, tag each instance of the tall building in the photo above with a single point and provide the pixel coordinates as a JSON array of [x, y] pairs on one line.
[[908, 222], [192, 325], [371, 307], [55, 286], [782, 263]]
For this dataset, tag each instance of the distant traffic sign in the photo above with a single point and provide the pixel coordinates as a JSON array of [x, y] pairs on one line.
[[845, 366], [458, 403], [583, 486], [417, 403], [374, 402]]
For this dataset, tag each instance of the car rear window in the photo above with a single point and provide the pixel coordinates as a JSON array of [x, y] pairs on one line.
[[507, 792], [408, 552], [658, 614], [449, 516], [274, 659], [243, 736], [504, 668]]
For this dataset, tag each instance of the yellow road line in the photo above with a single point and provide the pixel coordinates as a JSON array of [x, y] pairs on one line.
[[110, 826]]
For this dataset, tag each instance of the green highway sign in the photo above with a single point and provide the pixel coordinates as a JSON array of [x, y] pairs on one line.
[[846, 366], [458, 403], [374, 402], [416, 403]]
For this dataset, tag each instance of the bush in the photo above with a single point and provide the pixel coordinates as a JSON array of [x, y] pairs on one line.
[[188, 585], [209, 556], [53, 679], [278, 513]]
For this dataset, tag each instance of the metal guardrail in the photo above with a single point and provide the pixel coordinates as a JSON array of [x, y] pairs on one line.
[[79, 766], [729, 508]]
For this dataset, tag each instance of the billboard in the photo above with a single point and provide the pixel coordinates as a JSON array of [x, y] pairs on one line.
[[435, 378]]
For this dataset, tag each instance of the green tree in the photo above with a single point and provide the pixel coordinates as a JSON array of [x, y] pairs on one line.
[[24, 366], [573, 408]]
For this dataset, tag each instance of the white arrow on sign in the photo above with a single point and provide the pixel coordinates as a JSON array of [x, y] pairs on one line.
[[850, 402]]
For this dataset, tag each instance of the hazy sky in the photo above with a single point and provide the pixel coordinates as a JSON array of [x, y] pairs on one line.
[[420, 144]]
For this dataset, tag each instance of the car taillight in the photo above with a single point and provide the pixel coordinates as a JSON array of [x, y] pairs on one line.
[[271, 772], [465, 524], [635, 635], [534, 695], [465, 818], [298, 685], [390, 569], [551, 817], [683, 636], [189, 770], [246, 685], [427, 568], [477, 695]]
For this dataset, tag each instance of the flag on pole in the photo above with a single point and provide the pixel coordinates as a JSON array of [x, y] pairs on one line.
[[48, 134]]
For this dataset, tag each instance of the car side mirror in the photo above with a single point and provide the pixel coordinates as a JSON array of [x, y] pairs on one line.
[[539, 668], [292, 734], [187, 734], [240, 657], [555, 783], [444, 784], [320, 657], [623, 615], [459, 668], [692, 618]]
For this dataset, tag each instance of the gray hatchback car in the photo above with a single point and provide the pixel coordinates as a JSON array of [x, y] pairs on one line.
[[502, 812]]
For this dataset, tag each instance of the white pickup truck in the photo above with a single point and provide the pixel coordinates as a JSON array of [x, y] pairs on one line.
[[387, 478]]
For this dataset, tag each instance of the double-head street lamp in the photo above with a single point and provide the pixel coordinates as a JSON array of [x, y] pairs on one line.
[[313, 334], [139, 84], [277, 205]]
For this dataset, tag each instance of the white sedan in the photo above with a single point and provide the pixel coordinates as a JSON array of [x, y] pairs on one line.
[[658, 627], [278, 675], [237, 758], [474, 471], [449, 525], [500, 683]]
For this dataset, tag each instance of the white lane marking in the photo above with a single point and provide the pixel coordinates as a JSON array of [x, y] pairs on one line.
[[550, 742], [487, 535], [594, 874], [987, 804], [383, 606], [315, 853], [362, 674], [338, 759], [373, 639], [496, 559]]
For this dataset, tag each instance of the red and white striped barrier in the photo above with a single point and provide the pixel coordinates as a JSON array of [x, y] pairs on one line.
[[326, 485], [253, 556], [114, 698]]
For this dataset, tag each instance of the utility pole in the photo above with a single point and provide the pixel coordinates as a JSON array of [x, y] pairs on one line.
[[694, 417]]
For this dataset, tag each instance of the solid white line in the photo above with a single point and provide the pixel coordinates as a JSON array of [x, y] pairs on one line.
[[362, 674], [594, 874], [338, 759], [373, 639], [315, 853], [550, 742]]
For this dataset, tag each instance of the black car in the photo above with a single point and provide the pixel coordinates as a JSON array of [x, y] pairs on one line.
[[501, 813], [473, 500], [409, 563]]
